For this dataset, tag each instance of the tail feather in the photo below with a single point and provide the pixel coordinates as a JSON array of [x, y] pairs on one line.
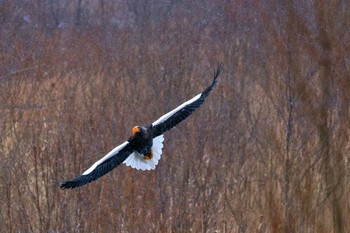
[[137, 161]]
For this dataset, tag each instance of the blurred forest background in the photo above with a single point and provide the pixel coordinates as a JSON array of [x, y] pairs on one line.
[[268, 151]]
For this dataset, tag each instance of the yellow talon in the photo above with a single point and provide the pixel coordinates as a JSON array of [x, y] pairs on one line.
[[148, 157]]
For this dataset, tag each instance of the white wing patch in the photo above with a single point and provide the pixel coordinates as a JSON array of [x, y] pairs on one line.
[[136, 160], [169, 114], [107, 156]]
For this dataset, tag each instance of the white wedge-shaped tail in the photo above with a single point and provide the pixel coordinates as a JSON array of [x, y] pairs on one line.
[[136, 160]]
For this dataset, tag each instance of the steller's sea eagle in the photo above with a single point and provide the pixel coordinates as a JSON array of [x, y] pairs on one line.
[[144, 148]]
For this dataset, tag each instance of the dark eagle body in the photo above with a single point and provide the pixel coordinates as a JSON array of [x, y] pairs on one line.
[[142, 140], [144, 148]]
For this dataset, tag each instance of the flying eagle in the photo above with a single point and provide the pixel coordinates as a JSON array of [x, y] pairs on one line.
[[143, 149]]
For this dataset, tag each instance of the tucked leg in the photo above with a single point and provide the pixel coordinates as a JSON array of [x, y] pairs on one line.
[[149, 156]]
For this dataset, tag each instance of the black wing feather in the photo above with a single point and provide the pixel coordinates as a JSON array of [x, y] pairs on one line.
[[187, 110], [100, 170]]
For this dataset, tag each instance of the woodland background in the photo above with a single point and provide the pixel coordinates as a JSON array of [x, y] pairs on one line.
[[268, 151]]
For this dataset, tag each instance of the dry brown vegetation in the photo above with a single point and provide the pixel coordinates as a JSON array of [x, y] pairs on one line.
[[268, 152]]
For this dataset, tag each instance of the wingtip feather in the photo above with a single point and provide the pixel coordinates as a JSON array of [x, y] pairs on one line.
[[217, 72]]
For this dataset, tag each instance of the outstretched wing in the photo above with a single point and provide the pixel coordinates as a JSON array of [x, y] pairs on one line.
[[101, 167], [174, 117]]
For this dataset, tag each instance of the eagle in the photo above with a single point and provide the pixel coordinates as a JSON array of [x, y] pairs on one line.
[[143, 149]]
